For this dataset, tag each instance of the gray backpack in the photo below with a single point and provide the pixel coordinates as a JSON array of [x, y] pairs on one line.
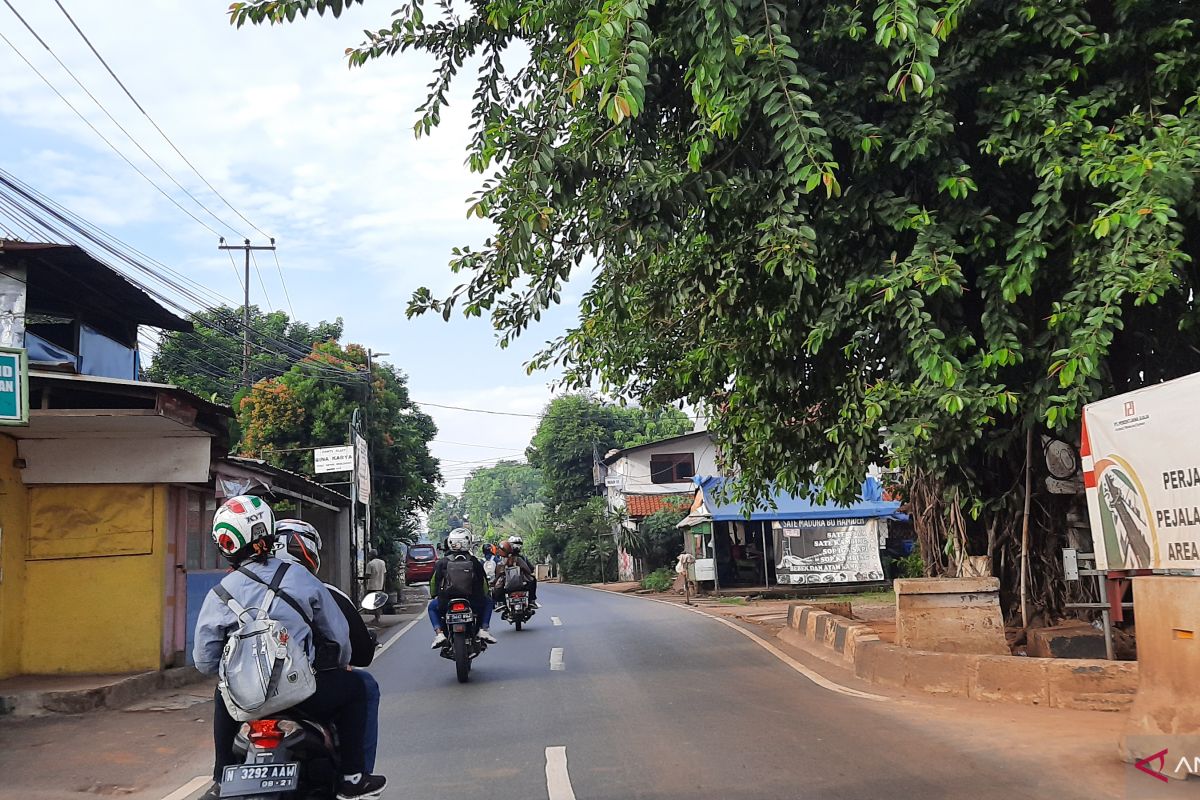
[[264, 668]]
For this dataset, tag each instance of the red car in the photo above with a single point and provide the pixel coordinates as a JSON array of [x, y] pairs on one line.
[[419, 563]]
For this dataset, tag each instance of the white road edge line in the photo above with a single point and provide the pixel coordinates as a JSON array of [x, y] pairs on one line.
[[396, 638], [556, 659], [556, 620], [558, 780], [816, 678], [192, 785]]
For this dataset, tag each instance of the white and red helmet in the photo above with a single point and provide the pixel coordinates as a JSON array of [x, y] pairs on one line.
[[297, 540], [244, 526]]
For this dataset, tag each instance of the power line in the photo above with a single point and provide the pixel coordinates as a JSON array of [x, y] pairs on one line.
[[113, 119], [161, 132], [283, 283], [481, 446], [479, 410]]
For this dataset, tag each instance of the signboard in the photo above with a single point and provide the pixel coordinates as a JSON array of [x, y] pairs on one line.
[[362, 470], [1141, 462], [827, 551], [333, 459], [614, 481], [14, 387]]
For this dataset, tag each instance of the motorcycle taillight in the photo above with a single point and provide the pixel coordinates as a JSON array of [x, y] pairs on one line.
[[265, 733], [458, 605]]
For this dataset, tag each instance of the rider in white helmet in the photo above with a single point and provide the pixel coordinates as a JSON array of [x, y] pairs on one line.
[[443, 587], [244, 532], [514, 557]]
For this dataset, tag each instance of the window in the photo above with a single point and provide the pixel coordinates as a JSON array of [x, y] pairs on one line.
[[672, 468]]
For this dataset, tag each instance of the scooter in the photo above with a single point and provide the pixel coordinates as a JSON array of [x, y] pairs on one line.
[[289, 755], [463, 644]]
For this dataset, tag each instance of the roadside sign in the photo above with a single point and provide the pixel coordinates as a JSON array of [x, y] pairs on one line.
[[14, 386], [1142, 475], [362, 470], [333, 459]]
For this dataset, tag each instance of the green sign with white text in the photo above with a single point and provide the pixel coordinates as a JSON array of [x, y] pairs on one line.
[[14, 387]]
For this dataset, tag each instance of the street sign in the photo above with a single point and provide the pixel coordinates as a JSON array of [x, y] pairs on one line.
[[614, 481], [14, 386], [363, 470], [333, 459]]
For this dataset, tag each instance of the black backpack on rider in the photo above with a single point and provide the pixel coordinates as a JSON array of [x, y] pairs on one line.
[[460, 577]]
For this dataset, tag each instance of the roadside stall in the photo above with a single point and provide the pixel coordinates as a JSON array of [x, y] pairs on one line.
[[790, 540]]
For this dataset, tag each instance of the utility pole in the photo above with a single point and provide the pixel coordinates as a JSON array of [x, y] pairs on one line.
[[371, 356], [247, 247]]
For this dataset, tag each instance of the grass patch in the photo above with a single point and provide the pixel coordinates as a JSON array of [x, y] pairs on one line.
[[660, 580], [732, 601], [865, 597]]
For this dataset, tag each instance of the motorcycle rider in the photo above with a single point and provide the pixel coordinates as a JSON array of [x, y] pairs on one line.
[[244, 532], [516, 544], [441, 590], [298, 541]]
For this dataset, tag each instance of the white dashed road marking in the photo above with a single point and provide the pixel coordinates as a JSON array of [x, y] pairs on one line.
[[556, 620], [556, 660], [203, 780], [558, 780]]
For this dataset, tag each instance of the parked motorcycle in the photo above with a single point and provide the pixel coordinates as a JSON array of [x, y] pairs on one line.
[[463, 644], [516, 608], [289, 755]]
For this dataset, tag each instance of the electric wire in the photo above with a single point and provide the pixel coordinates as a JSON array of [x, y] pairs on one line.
[[161, 132]]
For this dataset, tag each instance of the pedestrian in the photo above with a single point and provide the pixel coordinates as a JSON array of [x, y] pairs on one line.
[[376, 576]]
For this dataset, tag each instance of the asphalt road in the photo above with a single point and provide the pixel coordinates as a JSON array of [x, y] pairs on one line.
[[653, 702]]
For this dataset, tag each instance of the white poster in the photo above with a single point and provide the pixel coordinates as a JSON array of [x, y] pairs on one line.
[[827, 551], [333, 459], [1141, 462]]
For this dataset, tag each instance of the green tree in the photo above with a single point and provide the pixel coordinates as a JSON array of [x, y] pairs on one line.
[[312, 404], [445, 516], [208, 360], [491, 492], [954, 222], [662, 542], [528, 522]]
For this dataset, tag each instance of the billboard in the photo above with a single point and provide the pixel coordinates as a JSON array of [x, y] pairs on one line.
[[1141, 471], [827, 550], [339, 458]]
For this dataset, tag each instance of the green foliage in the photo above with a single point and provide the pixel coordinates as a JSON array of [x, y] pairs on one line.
[[528, 522], [208, 360], [580, 538], [283, 418], [663, 542], [446, 515], [492, 492], [956, 222], [911, 566], [660, 580]]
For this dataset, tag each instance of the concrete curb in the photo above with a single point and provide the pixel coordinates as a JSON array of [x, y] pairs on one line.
[[1081, 684], [115, 695]]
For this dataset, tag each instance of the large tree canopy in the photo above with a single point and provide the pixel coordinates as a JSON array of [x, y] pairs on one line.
[[490, 493], [310, 405], [208, 360], [950, 221]]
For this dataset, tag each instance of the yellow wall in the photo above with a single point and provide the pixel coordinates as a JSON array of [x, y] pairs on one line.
[[94, 578], [14, 519]]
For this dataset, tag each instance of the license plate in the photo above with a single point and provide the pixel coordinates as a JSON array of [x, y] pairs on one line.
[[243, 779], [517, 603], [459, 617]]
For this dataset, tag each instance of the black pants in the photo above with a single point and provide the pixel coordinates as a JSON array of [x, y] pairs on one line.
[[340, 699]]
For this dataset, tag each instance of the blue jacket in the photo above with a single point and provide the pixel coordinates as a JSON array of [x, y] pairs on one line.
[[217, 620]]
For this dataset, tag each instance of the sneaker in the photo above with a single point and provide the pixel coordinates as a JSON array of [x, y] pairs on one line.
[[213, 793], [368, 787], [487, 637], [535, 604], [438, 640]]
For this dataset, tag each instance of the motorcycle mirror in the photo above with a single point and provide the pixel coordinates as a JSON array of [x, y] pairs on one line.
[[374, 601]]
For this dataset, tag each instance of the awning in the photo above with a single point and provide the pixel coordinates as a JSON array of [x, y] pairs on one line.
[[870, 505]]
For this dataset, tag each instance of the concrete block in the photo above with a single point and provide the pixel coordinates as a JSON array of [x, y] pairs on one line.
[[1167, 705], [79, 701], [1008, 679], [1078, 640], [950, 615], [130, 690], [1089, 685], [938, 673]]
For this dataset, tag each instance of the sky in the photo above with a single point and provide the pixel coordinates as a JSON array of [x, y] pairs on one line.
[[317, 155]]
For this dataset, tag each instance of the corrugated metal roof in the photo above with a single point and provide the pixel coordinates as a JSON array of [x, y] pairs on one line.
[[789, 506]]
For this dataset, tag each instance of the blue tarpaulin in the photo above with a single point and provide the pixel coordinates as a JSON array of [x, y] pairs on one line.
[[788, 506]]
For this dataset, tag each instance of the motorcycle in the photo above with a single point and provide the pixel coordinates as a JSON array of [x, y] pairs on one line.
[[289, 755], [463, 644], [516, 608]]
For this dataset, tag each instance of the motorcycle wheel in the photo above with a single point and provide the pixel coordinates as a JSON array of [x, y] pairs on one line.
[[519, 623], [462, 661]]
